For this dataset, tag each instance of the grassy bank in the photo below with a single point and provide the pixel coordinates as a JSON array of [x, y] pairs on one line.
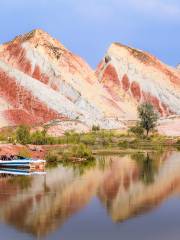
[[82, 146], [96, 139]]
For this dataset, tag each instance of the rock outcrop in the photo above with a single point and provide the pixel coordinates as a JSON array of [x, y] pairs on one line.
[[132, 77], [40, 80]]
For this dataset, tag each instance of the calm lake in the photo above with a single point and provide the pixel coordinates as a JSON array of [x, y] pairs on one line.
[[128, 196]]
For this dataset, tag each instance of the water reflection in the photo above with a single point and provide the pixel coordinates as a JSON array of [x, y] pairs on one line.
[[126, 186], [5, 172], [148, 166]]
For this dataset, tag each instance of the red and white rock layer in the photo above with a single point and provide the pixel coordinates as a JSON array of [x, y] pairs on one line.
[[132, 77], [41, 80]]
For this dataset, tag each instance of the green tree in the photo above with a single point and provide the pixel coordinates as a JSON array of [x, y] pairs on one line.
[[23, 134], [148, 117]]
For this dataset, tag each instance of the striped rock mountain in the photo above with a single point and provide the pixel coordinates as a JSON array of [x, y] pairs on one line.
[[41, 80], [132, 77]]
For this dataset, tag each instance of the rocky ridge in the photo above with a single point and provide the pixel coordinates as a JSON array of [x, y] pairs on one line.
[[42, 81]]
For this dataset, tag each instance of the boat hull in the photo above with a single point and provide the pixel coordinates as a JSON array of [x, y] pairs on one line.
[[28, 163]]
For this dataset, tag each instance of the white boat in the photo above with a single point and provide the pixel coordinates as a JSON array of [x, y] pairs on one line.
[[25, 162]]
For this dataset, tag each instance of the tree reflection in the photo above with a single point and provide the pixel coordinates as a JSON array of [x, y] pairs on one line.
[[147, 165]]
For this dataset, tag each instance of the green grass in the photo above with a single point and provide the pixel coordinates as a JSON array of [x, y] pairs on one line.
[[94, 139], [73, 153]]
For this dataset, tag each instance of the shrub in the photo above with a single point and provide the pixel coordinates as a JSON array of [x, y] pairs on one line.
[[74, 137], [95, 128], [39, 138], [106, 141], [67, 135], [82, 151], [51, 140], [178, 144], [137, 130], [23, 134], [2, 137], [52, 157], [88, 139], [123, 144], [8, 134], [78, 151]]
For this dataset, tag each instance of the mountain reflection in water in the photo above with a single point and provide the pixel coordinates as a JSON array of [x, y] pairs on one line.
[[126, 186]]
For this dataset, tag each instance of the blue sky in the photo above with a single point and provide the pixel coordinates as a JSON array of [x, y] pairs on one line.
[[89, 27]]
